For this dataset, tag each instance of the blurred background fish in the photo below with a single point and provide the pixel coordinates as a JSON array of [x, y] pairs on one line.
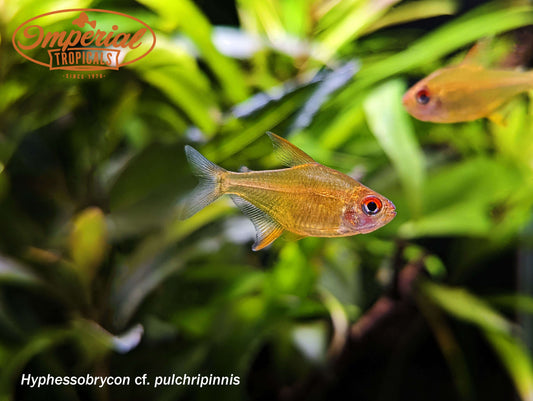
[[465, 92]]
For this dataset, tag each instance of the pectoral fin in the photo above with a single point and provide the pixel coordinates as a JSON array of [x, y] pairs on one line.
[[267, 229], [289, 154]]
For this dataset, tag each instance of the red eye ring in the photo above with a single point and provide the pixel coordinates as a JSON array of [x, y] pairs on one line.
[[423, 97], [371, 205]]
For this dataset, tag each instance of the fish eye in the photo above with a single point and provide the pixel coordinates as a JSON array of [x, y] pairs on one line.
[[371, 205], [422, 96]]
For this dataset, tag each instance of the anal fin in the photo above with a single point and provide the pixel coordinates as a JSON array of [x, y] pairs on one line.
[[267, 229], [293, 236]]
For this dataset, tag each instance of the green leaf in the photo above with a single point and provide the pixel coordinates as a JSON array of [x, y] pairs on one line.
[[12, 271], [292, 274], [88, 240], [15, 13], [482, 22], [516, 359], [459, 198], [96, 342], [413, 11], [514, 302], [175, 73], [465, 306], [296, 16], [344, 124], [394, 131], [263, 14], [11, 92], [330, 82], [354, 21], [185, 15], [255, 127]]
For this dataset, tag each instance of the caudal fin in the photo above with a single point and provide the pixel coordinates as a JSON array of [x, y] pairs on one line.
[[208, 189]]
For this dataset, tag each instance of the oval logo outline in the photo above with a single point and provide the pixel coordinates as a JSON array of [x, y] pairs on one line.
[[83, 10]]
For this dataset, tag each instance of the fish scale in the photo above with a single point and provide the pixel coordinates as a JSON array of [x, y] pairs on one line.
[[296, 198]]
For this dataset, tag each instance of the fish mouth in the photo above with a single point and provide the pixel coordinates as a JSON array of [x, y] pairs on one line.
[[405, 98], [391, 211]]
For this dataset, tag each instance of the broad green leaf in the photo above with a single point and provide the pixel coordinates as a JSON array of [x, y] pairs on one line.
[[393, 129], [459, 198], [515, 302], [461, 218], [296, 16], [250, 309], [463, 305], [88, 241], [11, 92], [292, 274]]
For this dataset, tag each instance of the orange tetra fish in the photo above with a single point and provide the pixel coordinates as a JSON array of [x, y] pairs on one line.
[[464, 92], [306, 199]]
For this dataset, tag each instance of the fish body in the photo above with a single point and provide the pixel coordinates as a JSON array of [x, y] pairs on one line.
[[464, 92], [306, 199]]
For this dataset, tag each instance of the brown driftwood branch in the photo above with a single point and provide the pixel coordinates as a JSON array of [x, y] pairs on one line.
[[382, 325]]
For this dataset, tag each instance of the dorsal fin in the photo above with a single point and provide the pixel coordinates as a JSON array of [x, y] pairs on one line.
[[477, 55], [267, 229], [289, 154]]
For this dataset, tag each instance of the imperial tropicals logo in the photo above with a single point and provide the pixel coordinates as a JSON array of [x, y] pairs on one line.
[[91, 40]]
